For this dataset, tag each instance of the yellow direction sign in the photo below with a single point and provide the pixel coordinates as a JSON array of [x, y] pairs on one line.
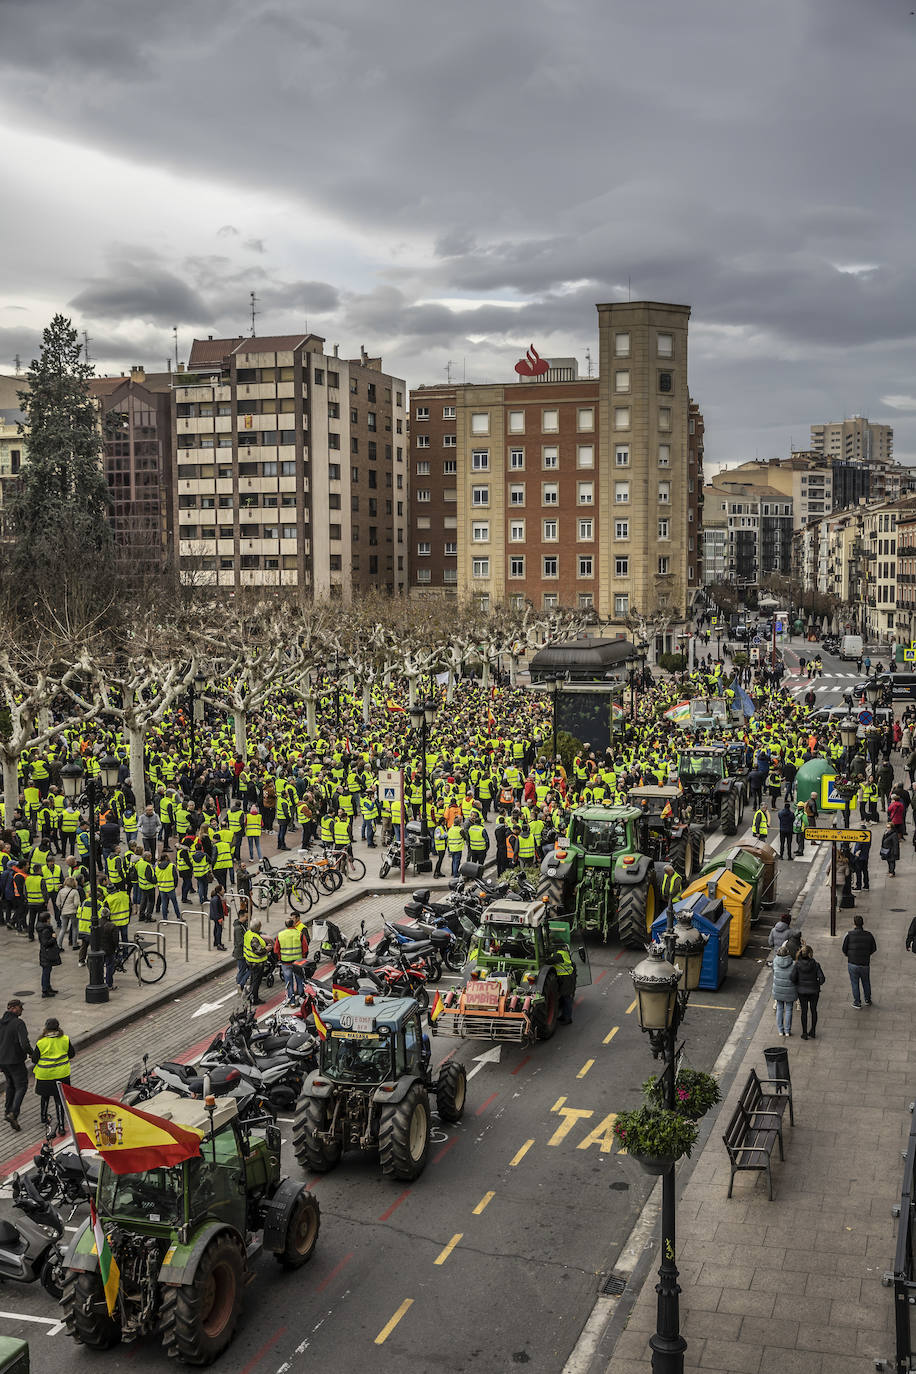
[[814, 832]]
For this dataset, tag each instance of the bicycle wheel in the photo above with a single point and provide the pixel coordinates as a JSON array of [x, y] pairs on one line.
[[354, 869], [150, 965], [300, 899], [338, 878], [330, 879], [262, 894]]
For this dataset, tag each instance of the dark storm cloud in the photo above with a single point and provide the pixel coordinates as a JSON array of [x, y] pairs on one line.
[[142, 293]]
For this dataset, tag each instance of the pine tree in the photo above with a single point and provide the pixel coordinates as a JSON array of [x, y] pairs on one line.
[[58, 513]]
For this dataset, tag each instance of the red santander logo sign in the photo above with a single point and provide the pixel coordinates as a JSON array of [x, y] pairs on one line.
[[532, 365]]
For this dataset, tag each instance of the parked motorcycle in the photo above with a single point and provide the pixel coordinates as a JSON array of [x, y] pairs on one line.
[[29, 1246], [62, 1177]]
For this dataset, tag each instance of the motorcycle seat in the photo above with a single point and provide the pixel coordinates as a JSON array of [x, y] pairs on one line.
[[300, 1041], [269, 1044], [276, 1061], [410, 932], [417, 947]]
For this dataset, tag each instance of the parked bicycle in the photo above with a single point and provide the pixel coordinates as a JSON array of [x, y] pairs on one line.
[[147, 964]]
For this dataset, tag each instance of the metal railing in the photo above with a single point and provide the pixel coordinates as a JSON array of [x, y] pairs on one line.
[[903, 1277], [182, 927]]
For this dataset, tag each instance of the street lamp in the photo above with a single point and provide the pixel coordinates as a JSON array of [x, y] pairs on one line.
[[663, 982], [72, 776], [422, 716]]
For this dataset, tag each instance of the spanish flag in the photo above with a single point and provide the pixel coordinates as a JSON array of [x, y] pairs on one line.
[[130, 1141], [320, 1027], [109, 1272], [340, 992], [437, 1008]]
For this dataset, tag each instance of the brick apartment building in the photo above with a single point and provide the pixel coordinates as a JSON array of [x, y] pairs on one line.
[[290, 468], [564, 490]]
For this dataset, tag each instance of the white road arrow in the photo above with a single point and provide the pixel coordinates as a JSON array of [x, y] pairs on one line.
[[211, 1006], [489, 1057]]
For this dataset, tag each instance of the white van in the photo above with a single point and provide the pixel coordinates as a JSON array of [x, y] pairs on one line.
[[851, 647]]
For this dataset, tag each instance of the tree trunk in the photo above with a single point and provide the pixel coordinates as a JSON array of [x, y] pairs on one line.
[[411, 690], [450, 688], [513, 670], [311, 724], [240, 719], [136, 736], [44, 720], [367, 702], [10, 782], [485, 674]]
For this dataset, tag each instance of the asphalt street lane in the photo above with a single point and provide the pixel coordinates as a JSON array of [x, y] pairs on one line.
[[495, 1255]]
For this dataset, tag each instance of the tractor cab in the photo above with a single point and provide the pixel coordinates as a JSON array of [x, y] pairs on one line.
[[604, 831], [372, 1040]]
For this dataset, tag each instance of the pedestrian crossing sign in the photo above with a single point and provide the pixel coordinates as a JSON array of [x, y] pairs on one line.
[[909, 655], [830, 800]]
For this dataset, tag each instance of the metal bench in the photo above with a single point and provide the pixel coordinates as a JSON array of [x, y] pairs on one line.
[[754, 1128]]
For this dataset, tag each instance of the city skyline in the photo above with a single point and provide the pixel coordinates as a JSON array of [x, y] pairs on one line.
[[450, 195]]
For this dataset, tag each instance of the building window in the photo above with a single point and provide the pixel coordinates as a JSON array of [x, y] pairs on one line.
[[423, 494], [664, 566], [424, 522], [664, 455], [550, 566], [516, 459], [318, 374], [550, 421], [516, 422], [621, 381], [621, 345], [622, 456], [666, 383], [423, 469], [423, 574], [621, 529], [422, 412], [585, 493], [664, 417], [517, 494], [449, 468], [480, 422], [621, 417], [424, 550], [621, 567], [450, 441], [334, 472], [551, 601], [550, 456], [664, 527], [333, 441], [480, 496], [621, 492], [585, 456], [448, 412], [516, 567], [480, 460], [585, 418], [585, 566], [621, 606], [480, 532], [450, 575], [333, 531], [450, 549], [551, 531], [585, 528], [516, 531], [664, 492], [423, 441], [666, 345], [480, 567]]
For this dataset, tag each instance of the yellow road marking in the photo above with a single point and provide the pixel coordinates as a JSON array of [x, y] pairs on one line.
[[610, 1035], [558, 1104], [630, 1007], [444, 1254], [712, 1006], [487, 1198], [387, 1329], [570, 1116], [517, 1158], [585, 1068]]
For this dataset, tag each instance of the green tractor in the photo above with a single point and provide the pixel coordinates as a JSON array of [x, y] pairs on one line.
[[183, 1236], [665, 833], [521, 965], [372, 1086], [605, 877], [714, 780]]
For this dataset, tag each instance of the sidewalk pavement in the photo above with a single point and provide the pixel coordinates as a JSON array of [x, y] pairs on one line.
[[794, 1286]]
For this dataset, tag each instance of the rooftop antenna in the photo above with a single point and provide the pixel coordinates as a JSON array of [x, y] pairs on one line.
[[253, 313], [628, 289], [17, 363], [86, 345], [588, 360], [175, 334], [448, 372], [464, 369]]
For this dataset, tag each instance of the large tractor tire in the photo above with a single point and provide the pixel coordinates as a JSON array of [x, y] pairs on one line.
[[550, 1007], [312, 1154], [698, 845], [301, 1232], [403, 1135], [680, 857], [636, 910], [198, 1319], [729, 814], [86, 1311], [452, 1091]]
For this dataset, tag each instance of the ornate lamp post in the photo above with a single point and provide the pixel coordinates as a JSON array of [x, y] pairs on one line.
[[72, 776], [663, 982]]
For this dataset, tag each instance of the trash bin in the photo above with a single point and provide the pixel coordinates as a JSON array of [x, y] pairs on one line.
[[710, 918], [736, 896], [778, 1067], [765, 854], [417, 846]]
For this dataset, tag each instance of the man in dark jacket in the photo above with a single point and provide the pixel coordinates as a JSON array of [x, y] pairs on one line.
[[859, 945], [860, 853], [786, 831], [14, 1050], [238, 948]]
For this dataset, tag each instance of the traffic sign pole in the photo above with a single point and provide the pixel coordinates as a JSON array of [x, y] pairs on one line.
[[833, 889]]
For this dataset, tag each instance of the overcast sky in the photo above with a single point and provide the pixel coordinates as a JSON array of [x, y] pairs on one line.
[[447, 184]]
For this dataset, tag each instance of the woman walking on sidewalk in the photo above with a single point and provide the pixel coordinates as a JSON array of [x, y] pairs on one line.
[[809, 978], [890, 850], [51, 1056], [783, 989]]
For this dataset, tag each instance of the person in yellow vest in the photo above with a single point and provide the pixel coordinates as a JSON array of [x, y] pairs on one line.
[[167, 882], [69, 824], [185, 870], [235, 821], [526, 846], [222, 860], [52, 1054], [478, 841], [36, 896], [53, 875], [84, 927], [440, 836], [672, 885], [200, 866], [255, 954], [117, 904], [253, 826], [761, 825], [146, 887], [341, 832], [291, 947], [455, 841]]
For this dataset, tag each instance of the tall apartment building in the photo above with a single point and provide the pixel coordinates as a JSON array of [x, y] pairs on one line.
[[696, 430], [290, 468], [806, 479], [855, 440], [135, 415], [563, 490], [753, 525], [12, 444]]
